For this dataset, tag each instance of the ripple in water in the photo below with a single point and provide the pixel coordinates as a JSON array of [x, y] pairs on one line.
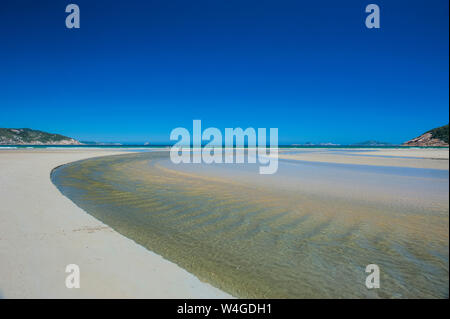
[[275, 238]]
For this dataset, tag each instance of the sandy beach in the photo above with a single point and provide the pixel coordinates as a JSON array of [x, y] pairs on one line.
[[433, 158], [41, 232], [250, 235]]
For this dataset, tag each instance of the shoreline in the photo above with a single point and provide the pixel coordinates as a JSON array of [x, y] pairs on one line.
[[42, 231]]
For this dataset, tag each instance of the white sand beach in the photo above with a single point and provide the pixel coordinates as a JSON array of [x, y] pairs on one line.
[[433, 158], [41, 232]]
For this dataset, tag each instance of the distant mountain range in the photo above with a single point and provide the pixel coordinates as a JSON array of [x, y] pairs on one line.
[[372, 143], [435, 137], [26, 136], [314, 144], [100, 143]]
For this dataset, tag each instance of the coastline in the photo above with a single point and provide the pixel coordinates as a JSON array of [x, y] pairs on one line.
[[42, 231]]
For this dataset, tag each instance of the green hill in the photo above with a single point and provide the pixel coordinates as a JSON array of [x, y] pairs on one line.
[[26, 136], [440, 133], [435, 137]]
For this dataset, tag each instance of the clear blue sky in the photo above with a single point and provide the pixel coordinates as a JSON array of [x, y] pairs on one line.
[[137, 69]]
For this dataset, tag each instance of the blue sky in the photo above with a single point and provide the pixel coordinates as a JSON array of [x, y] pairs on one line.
[[137, 69]]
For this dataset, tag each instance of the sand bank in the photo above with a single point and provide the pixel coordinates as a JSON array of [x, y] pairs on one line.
[[432, 153], [41, 232], [416, 158]]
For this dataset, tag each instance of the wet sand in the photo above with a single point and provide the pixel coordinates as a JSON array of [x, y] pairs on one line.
[[41, 232]]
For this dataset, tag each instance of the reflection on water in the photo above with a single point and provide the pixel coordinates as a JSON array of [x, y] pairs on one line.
[[306, 232]]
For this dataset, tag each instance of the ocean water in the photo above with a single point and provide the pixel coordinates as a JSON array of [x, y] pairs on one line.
[[346, 148], [308, 231]]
